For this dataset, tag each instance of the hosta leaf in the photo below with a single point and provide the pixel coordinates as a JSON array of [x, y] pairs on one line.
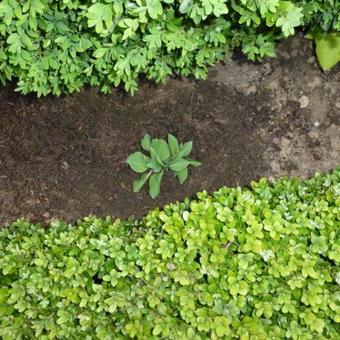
[[173, 145], [194, 163], [182, 175], [155, 157], [138, 162], [185, 149], [179, 165], [146, 141], [328, 49], [138, 183], [161, 148], [155, 184], [154, 165]]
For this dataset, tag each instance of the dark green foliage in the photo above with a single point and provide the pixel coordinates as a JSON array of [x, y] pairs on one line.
[[258, 263], [58, 46]]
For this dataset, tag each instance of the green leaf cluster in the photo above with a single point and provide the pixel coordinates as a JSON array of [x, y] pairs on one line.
[[164, 155], [59, 46], [253, 263]]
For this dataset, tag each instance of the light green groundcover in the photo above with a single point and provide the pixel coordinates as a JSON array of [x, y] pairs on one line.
[[252, 263]]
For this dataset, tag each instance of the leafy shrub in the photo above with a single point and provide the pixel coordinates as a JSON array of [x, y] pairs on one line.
[[258, 263], [56, 46]]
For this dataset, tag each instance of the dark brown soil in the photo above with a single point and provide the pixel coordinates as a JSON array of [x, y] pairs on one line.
[[65, 157]]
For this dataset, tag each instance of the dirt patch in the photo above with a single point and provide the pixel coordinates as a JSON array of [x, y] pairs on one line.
[[64, 157]]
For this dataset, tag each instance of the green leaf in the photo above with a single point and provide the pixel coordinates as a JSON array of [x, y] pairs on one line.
[[26, 40], [173, 145], [155, 184], [220, 331], [161, 148], [155, 157], [37, 6], [179, 164], [100, 52], [155, 8], [194, 163], [157, 330], [185, 6], [146, 141], [155, 165], [182, 175], [138, 162], [100, 16], [6, 11], [328, 49], [130, 25], [185, 149], [154, 40], [15, 44], [138, 183], [291, 18]]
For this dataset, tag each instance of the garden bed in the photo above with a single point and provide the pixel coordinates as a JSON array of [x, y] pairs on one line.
[[65, 157]]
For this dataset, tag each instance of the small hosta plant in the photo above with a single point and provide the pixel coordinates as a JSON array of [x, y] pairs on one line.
[[163, 156]]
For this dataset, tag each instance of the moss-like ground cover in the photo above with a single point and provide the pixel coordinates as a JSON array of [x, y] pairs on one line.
[[252, 263]]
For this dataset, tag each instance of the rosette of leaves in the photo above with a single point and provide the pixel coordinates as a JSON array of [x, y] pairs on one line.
[[163, 156]]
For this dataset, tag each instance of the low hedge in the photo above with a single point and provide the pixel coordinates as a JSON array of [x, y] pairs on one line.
[[58, 46], [257, 263]]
